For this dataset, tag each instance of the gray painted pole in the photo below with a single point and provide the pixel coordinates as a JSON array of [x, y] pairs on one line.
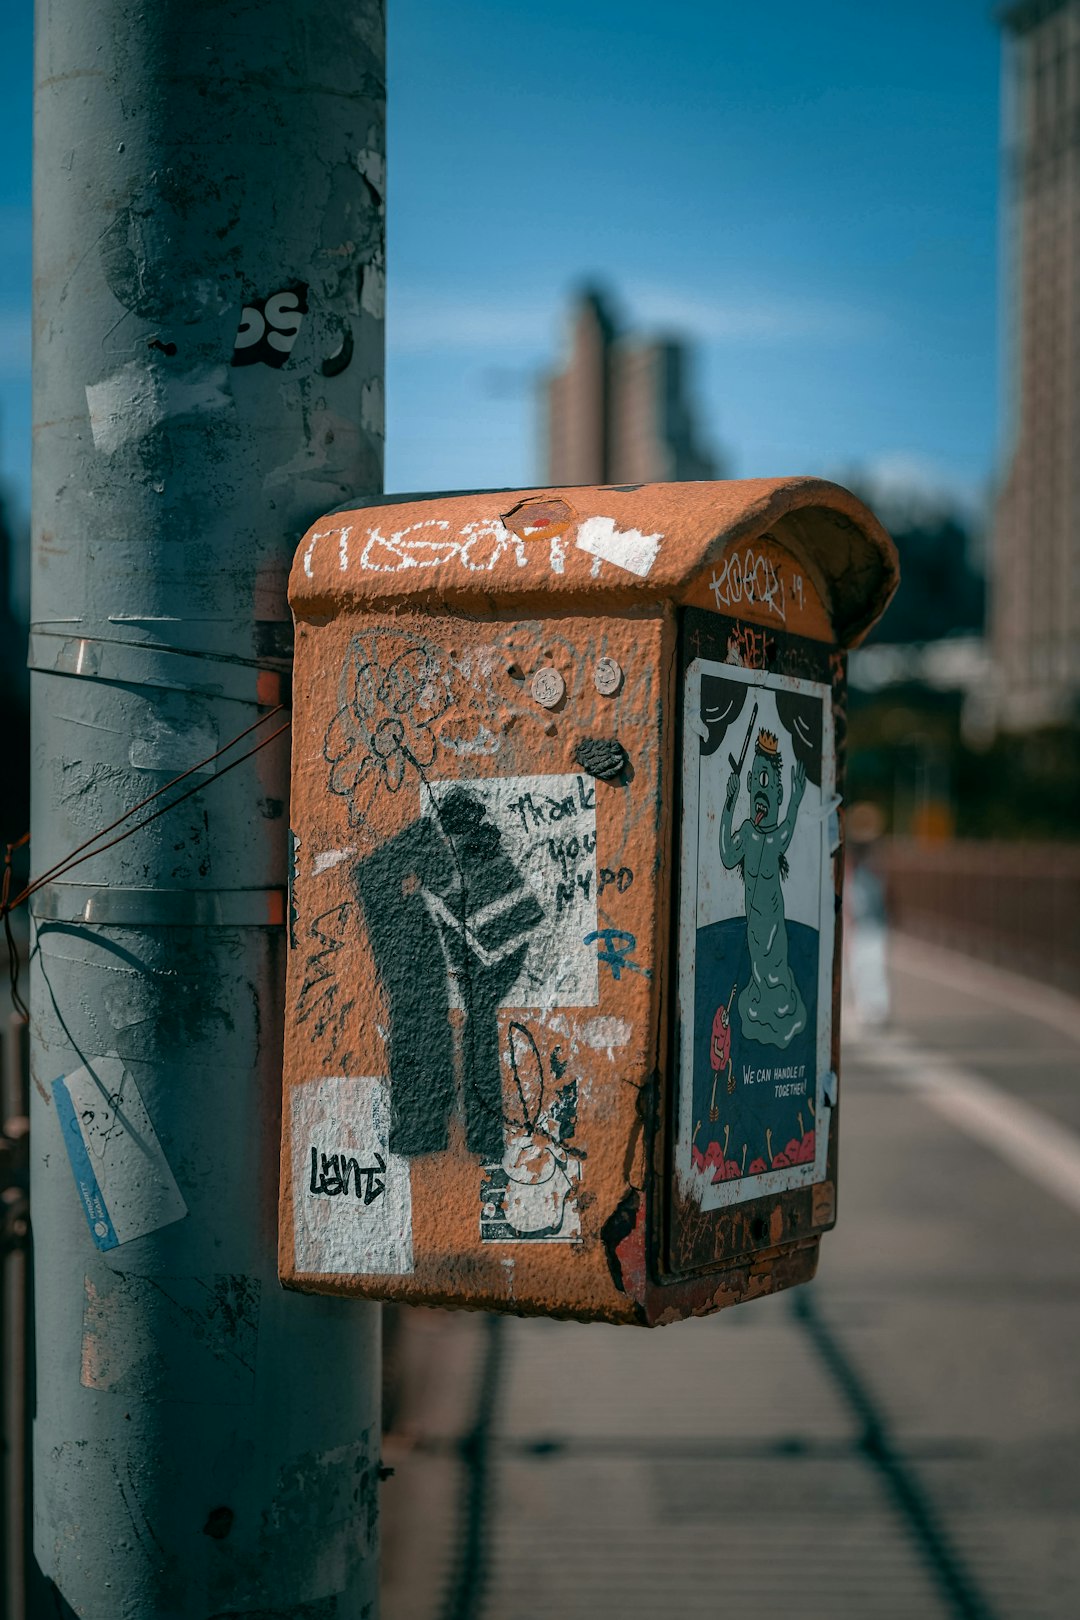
[[208, 378]]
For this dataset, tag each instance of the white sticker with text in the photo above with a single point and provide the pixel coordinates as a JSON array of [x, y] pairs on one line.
[[124, 1181], [352, 1199]]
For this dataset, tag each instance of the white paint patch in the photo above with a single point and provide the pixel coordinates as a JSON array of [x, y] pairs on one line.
[[372, 166], [121, 1173], [330, 858], [352, 1197], [373, 297], [162, 747], [1041, 1148], [373, 407], [137, 398], [547, 829], [602, 1034], [626, 548], [536, 1201]]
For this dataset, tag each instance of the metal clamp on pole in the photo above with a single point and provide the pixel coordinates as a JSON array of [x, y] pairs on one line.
[[96, 906]]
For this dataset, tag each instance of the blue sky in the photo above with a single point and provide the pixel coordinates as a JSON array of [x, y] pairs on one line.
[[810, 192]]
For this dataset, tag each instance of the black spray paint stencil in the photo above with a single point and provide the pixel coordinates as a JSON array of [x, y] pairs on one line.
[[269, 327]]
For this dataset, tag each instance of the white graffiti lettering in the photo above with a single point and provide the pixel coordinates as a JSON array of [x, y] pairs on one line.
[[477, 547], [751, 576]]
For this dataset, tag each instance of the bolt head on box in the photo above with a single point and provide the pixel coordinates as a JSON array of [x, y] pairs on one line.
[[607, 677], [548, 688]]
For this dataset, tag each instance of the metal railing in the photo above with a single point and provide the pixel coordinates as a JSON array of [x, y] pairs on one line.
[[1016, 905]]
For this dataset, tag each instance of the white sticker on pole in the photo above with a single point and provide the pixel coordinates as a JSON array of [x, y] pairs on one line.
[[124, 1181]]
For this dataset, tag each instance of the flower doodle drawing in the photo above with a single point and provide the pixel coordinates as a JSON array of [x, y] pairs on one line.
[[386, 720], [771, 1008]]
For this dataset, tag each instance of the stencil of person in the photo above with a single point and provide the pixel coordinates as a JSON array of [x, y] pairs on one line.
[[771, 1009], [442, 899]]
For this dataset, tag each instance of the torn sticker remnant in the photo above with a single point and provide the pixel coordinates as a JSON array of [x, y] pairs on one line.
[[544, 519], [120, 1169], [270, 326], [139, 397]]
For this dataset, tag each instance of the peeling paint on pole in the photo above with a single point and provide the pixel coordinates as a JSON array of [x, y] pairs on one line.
[[209, 287]]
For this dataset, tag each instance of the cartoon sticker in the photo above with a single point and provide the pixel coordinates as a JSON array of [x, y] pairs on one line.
[[529, 1195], [755, 933], [124, 1181]]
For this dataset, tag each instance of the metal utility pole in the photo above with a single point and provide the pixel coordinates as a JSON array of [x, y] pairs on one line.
[[208, 378]]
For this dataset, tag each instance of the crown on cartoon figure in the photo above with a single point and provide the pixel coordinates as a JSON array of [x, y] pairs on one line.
[[767, 743]]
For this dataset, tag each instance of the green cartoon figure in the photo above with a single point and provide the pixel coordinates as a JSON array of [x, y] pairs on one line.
[[771, 1010]]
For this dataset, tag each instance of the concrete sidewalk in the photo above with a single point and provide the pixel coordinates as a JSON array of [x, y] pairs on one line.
[[900, 1439]]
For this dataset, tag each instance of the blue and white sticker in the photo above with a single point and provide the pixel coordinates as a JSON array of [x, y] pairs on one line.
[[121, 1173]]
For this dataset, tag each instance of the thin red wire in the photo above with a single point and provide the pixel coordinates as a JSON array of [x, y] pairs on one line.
[[99, 849], [43, 877]]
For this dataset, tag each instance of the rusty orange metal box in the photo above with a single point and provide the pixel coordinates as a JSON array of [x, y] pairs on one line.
[[563, 985]]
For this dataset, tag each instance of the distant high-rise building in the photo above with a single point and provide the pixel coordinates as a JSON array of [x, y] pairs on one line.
[[620, 411], [1035, 563]]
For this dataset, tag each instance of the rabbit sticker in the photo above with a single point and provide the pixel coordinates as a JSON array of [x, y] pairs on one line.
[[529, 1195]]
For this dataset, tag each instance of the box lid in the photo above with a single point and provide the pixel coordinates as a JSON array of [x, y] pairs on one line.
[[603, 545]]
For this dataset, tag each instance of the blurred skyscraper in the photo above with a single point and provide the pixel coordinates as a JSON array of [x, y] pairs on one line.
[[1036, 544], [620, 411]]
